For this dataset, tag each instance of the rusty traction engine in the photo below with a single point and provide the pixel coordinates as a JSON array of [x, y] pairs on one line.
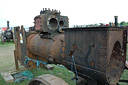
[[99, 52], [7, 35]]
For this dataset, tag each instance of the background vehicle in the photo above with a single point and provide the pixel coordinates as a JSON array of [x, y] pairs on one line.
[[7, 35]]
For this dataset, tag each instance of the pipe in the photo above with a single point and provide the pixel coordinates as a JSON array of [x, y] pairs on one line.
[[7, 24], [116, 20]]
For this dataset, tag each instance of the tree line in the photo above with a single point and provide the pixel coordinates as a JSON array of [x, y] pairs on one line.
[[123, 23]]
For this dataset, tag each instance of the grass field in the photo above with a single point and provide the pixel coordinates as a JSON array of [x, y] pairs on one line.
[[6, 57], [7, 64]]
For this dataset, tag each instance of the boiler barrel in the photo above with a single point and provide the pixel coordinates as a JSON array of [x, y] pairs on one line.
[[45, 47]]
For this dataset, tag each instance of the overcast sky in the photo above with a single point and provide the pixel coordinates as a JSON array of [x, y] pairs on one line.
[[80, 12]]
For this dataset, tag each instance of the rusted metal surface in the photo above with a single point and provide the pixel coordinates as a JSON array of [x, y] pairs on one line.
[[50, 22], [94, 49], [16, 60], [46, 48], [37, 23], [20, 44], [116, 55], [47, 79], [17, 41], [46, 43], [23, 44], [97, 52]]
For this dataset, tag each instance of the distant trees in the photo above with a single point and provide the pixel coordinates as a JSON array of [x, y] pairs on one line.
[[123, 23]]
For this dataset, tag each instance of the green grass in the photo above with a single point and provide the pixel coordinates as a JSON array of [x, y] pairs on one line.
[[6, 43], [57, 71], [124, 77], [7, 57]]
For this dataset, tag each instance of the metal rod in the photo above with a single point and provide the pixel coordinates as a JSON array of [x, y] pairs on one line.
[[7, 24], [116, 20]]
